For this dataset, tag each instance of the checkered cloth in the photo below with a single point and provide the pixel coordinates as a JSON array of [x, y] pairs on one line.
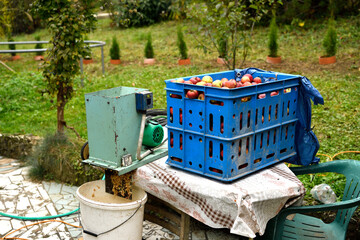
[[243, 206]]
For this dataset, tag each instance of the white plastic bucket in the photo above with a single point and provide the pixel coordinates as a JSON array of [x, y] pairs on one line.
[[101, 212]]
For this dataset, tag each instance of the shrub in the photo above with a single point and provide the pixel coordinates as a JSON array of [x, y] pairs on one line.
[[57, 158], [23, 22], [222, 43], [149, 51], [181, 44], [272, 44], [38, 45], [12, 47], [137, 13], [115, 49], [330, 41]]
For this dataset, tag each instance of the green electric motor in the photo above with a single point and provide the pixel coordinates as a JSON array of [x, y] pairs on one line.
[[153, 134]]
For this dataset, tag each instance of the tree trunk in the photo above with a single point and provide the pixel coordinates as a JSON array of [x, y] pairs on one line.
[[60, 112]]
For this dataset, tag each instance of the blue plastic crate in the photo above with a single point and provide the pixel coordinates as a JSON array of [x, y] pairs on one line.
[[232, 132]]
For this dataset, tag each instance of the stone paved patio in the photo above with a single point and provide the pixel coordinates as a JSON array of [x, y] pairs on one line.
[[19, 196]]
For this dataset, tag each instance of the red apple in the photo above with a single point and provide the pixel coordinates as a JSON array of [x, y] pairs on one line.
[[239, 84], [192, 94], [274, 93], [198, 79], [245, 79], [188, 82], [254, 83], [223, 80], [230, 84], [201, 96], [257, 80], [250, 77], [222, 127], [201, 83], [193, 80], [261, 96], [247, 84], [171, 111], [180, 80]]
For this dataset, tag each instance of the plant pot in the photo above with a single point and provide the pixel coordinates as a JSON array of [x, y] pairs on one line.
[[39, 58], [87, 61], [149, 61], [273, 60], [220, 60], [184, 61], [115, 61], [16, 57], [327, 60]]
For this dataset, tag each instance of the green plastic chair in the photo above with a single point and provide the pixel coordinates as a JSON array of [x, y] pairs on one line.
[[303, 227]]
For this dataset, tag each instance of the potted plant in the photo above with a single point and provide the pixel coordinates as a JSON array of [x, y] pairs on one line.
[[329, 44], [38, 56], [222, 49], [88, 58], [184, 60], [13, 47], [149, 52], [115, 52], [272, 44]]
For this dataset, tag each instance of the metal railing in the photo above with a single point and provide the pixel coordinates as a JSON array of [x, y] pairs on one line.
[[92, 44]]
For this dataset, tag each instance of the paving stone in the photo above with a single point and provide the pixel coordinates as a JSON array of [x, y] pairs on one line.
[[5, 227], [36, 203], [50, 228], [17, 223], [43, 193], [23, 203], [4, 181], [38, 214], [11, 187], [31, 232], [55, 188], [4, 193], [9, 204], [56, 197], [50, 207], [2, 206], [14, 173], [46, 185], [69, 189], [16, 178]]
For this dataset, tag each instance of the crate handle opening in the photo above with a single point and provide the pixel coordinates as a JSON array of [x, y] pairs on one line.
[[215, 170], [243, 166], [270, 155], [176, 159], [215, 102], [177, 96], [257, 160]]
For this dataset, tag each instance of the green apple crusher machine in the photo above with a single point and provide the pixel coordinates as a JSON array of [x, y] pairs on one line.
[[120, 138]]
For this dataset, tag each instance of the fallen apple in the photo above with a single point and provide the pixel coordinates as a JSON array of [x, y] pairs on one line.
[[207, 79], [192, 94]]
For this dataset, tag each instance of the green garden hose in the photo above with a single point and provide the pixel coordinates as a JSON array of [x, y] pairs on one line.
[[42, 218]]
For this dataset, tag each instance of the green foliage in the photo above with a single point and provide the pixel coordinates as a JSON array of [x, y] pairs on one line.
[[57, 158], [115, 49], [149, 51], [181, 44], [330, 40], [38, 45], [272, 43], [23, 22], [178, 9], [137, 13], [217, 18], [67, 21], [223, 48], [12, 46], [6, 18]]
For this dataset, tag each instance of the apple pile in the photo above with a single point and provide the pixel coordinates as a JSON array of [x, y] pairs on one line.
[[246, 80]]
